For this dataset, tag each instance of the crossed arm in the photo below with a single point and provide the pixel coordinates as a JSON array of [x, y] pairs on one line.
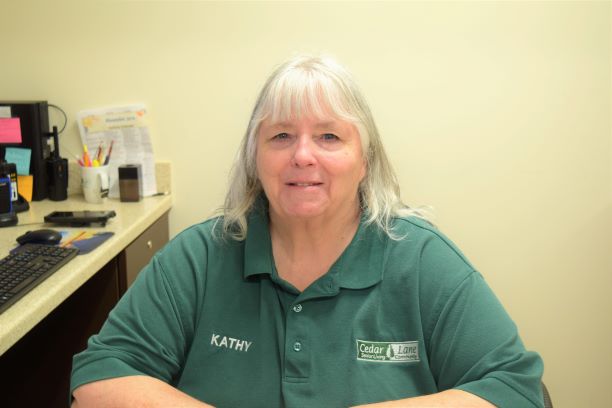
[[143, 391]]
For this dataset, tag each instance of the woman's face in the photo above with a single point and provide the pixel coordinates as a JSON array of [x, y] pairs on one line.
[[310, 167]]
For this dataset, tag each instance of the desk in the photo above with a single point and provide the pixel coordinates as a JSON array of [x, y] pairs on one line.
[[70, 305]]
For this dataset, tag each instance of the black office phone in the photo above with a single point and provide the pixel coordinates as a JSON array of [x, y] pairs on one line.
[[79, 218]]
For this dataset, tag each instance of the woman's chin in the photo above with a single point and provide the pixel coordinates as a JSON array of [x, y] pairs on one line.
[[304, 210], [305, 214]]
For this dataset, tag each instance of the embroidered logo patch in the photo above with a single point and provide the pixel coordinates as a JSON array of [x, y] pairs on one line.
[[388, 352]]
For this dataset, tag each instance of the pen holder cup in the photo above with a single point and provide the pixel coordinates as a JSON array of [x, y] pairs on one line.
[[95, 182]]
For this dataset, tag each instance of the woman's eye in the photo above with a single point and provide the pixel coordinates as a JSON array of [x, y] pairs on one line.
[[329, 137], [281, 136]]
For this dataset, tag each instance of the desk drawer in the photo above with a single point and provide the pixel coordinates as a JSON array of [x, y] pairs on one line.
[[138, 254]]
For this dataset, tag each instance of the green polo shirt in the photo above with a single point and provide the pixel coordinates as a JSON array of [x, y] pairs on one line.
[[391, 319]]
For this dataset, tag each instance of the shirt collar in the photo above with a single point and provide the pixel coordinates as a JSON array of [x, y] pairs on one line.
[[366, 252], [258, 246]]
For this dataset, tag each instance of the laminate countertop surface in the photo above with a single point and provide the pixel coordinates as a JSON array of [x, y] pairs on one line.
[[132, 219]]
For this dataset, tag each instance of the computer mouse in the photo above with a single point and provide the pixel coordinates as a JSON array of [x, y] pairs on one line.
[[41, 236]]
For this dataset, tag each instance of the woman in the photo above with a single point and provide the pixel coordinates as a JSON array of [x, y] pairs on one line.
[[316, 288]]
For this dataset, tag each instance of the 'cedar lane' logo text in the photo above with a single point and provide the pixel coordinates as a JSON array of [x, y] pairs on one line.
[[388, 352]]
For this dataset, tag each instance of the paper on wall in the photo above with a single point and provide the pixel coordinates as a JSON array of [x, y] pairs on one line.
[[126, 127]]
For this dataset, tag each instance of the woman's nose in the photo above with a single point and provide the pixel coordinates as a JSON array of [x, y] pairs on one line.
[[304, 154]]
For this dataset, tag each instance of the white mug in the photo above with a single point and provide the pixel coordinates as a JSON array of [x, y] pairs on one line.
[[95, 182]]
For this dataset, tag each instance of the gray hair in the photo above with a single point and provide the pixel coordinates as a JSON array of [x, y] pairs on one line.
[[308, 85]]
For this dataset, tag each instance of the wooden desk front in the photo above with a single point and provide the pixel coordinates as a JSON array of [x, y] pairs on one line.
[[40, 333]]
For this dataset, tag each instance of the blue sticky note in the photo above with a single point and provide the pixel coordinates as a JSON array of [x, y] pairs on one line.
[[21, 158]]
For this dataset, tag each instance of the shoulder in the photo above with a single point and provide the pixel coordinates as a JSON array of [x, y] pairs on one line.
[[184, 265], [438, 268], [420, 233], [195, 244], [433, 255], [202, 230]]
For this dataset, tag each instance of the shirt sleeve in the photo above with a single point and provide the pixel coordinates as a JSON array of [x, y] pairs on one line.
[[148, 331], [475, 347]]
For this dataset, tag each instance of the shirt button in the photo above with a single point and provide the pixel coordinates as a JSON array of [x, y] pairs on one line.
[[297, 308], [297, 346]]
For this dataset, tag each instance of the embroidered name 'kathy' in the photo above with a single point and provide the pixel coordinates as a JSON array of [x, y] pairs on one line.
[[228, 342]]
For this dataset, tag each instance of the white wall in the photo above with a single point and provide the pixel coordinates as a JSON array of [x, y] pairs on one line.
[[496, 114]]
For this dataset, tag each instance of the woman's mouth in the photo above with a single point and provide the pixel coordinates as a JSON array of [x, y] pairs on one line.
[[304, 184]]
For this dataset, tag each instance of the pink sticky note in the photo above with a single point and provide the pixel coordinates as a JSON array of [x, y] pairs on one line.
[[10, 130]]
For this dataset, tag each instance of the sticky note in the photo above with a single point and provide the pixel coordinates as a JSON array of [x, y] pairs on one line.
[[10, 130], [21, 158], [25, 186]]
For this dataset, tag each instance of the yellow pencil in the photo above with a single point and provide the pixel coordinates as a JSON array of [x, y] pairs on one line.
[[65, 244]]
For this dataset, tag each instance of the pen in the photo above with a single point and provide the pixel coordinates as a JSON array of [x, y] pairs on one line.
[[99, 152], [110, 149], [101, 157]]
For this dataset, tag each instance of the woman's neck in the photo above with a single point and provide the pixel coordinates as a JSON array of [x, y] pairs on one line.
[[304, 250]]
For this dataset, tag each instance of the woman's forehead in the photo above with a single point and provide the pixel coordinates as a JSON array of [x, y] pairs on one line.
[[315, 122], [291, 104], [283, 111]]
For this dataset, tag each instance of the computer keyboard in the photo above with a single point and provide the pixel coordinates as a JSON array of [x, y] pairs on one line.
[[26, 267]]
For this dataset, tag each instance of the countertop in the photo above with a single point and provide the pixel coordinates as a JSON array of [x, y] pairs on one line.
[[132, 219]]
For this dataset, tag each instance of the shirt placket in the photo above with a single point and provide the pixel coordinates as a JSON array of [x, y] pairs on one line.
[[297, 344], [300, 347]]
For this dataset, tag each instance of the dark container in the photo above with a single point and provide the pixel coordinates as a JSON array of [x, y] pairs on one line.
[[130, 185]]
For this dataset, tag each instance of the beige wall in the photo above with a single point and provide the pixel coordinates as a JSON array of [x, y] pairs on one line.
[[495, 114]]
